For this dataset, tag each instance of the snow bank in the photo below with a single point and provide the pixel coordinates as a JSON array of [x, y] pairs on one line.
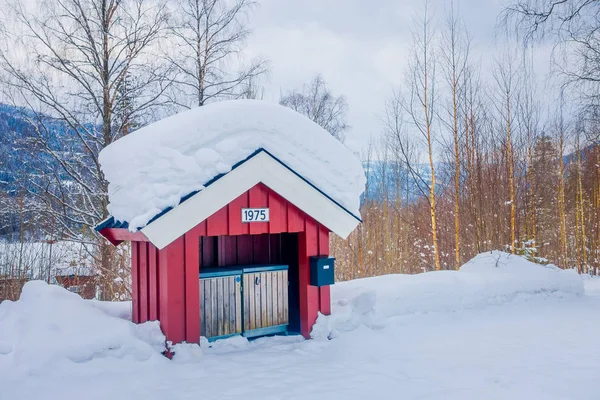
[[49, 326], [488, 279], [117, 309], [154, 167]]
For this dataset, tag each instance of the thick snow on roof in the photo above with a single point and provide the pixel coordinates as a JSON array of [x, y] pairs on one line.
[[154, 167]]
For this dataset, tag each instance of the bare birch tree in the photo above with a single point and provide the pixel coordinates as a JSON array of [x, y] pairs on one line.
[[420, 106], [528, 115], [560, 137], [574, 27], [455, 49], [506, 83], [318, 103], [207, 41], [68, 62]]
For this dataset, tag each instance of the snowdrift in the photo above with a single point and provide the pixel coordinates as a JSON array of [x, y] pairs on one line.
[[152, 168], [49, 326], [488, 279]]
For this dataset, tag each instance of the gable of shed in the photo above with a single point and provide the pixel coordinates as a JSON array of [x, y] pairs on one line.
[[263, 168]]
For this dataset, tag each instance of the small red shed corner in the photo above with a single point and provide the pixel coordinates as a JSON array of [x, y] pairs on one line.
[[248, 254]]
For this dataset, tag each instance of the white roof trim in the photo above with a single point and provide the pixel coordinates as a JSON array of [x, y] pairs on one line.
[[260, 168]]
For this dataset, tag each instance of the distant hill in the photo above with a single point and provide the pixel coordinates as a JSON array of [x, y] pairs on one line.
[[21, 151], [394, 178]]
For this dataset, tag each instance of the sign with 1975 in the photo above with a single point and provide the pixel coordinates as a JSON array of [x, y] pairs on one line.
[[255, 215]]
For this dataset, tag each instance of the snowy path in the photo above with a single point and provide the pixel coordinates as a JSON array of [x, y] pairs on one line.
[[526, 349]]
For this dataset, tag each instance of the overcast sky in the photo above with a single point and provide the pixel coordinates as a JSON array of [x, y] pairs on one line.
[[358, 46]]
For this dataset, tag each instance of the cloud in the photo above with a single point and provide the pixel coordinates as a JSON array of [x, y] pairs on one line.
[[361, 48]]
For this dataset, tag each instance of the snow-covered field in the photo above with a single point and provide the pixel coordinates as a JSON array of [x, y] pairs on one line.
[[500, 328], [41, 260]]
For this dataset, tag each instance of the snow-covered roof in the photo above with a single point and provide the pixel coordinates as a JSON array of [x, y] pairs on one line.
[[157, 166]]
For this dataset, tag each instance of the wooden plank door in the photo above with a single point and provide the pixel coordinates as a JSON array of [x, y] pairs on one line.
[[220, 306], [265, 299]]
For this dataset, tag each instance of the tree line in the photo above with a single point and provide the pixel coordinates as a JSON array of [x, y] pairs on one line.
[[84, 73], [473, 160], [467, 160]]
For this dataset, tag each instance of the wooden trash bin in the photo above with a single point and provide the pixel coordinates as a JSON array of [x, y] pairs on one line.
[[221, 303], [261, 291]]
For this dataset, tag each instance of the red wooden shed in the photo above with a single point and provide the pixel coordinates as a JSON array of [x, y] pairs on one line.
[[256, 233]]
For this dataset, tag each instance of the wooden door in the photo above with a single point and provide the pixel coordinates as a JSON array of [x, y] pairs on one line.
[[220, 306], [265, 300]]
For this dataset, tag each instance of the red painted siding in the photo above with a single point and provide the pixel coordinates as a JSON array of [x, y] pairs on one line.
[[241, 250], [165, 283], [324, 291], [153, 289], [172, 293], [192, 289], [118, 235], [135, 292], [227, 247], [295, 219], [278, 213], [236, 227], [244, 249], [228, 220], [258, 198], [309, 295], [143, 281], [218, 223]]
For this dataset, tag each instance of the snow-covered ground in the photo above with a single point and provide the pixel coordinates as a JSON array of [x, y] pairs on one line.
[[41, 260], [501, 328]]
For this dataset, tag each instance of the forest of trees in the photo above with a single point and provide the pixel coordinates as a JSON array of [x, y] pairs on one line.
[[511, 164], [468, 160]]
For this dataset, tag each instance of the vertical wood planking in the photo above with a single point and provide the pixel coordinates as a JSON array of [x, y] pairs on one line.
[[284, 284], [209, 258], [258, 198], [257, 301], [269, 297], [247, 296], [214, 309], [192, 299], [278, 218], [324, 291], [236, 227], [260, 249], [143, 281], [275, 297], [208, 317], [217, 224], [275, 249], [135, 291], [231, 305], [227, 250], [202, 291], [308, 295], [225, 305], [295, 219], [198, 230], [244, 249], [263, 299], [172, 291], [238, 307], [152, 282], [249, 288]]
